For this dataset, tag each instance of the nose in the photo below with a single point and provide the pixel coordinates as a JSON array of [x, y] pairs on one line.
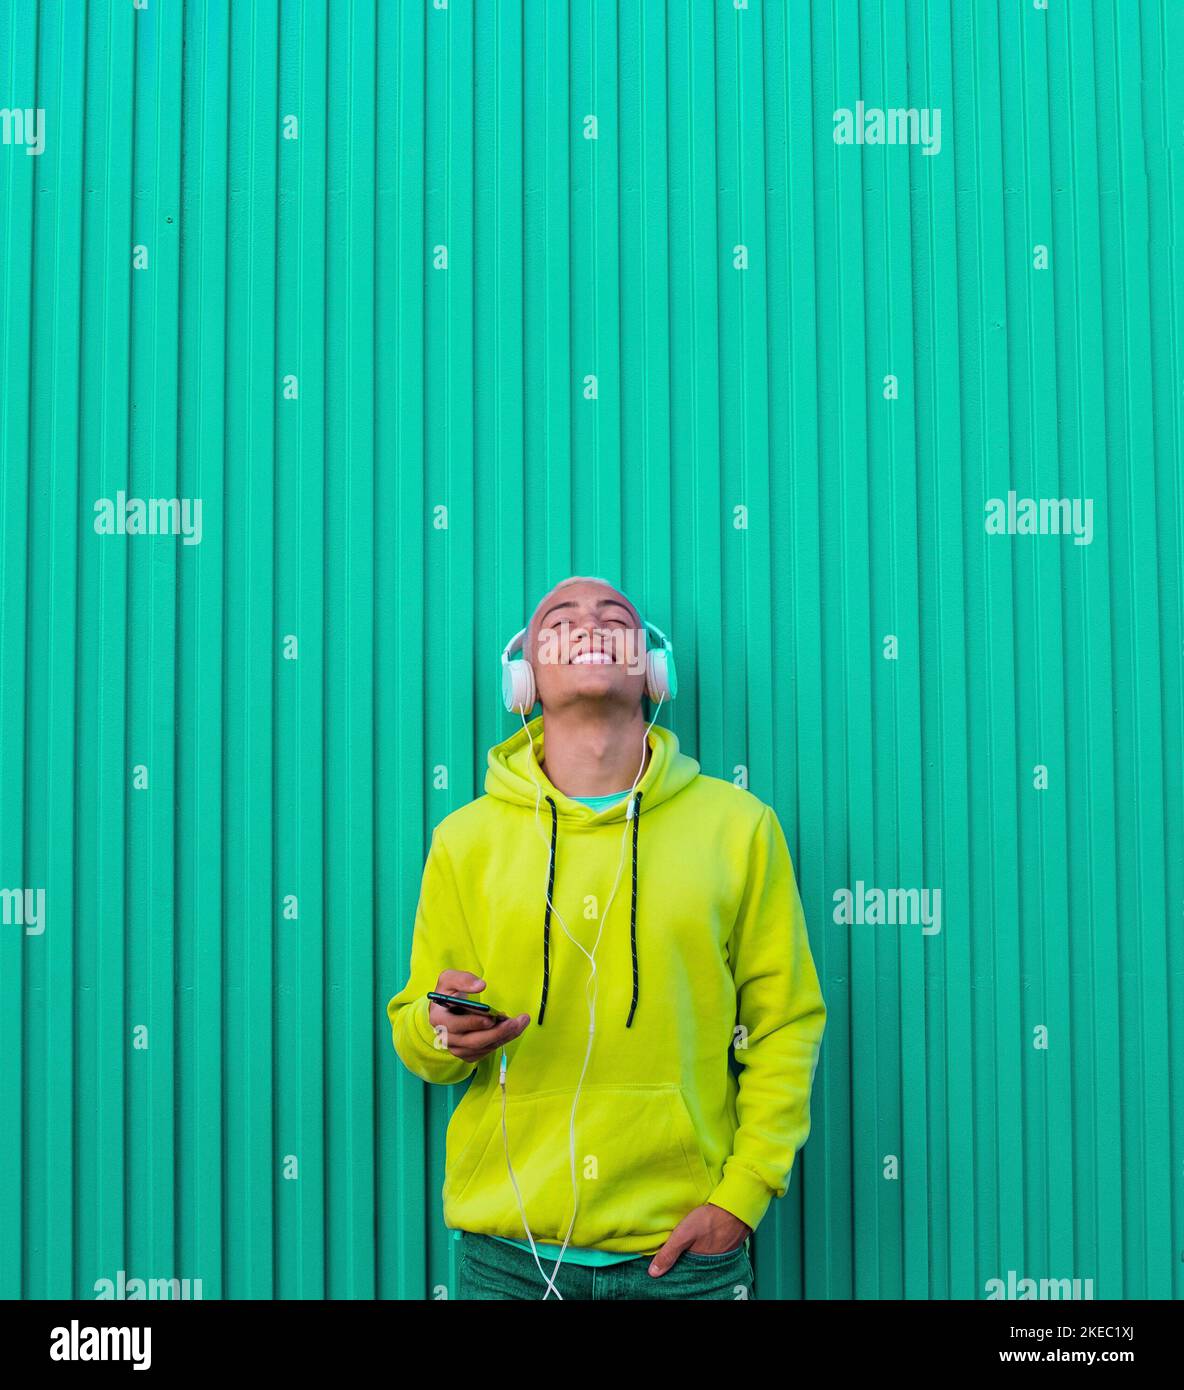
[[587, 633]]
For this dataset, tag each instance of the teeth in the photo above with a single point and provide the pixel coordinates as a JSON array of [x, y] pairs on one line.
[[597, 658]]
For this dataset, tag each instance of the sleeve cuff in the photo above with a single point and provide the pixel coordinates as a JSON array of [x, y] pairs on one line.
[[423, 1024], [436, 1063], [743, 1194]]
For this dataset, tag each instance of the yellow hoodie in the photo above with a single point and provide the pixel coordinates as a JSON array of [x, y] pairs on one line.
[[704, 947]]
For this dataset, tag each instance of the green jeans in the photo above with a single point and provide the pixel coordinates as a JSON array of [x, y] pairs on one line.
[[490, 1269]]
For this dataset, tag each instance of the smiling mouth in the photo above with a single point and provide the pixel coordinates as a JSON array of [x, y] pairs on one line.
[[591, 659]]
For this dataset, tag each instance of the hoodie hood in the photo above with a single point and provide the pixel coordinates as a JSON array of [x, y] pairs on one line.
[[514, 768], [515, 775]]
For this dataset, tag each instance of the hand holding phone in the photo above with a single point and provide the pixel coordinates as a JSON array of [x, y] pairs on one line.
[[471, 1029]]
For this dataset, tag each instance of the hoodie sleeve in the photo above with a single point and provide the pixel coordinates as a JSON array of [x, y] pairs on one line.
[[441, 941], [782, 1013]]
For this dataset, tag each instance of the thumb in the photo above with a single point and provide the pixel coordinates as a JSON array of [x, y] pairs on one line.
[[459, 982], [669, 1253]]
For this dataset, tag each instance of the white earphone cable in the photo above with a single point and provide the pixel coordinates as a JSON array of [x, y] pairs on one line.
[[629, 814]]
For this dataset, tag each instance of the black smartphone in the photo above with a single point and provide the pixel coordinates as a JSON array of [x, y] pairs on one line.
[[458, 1004]]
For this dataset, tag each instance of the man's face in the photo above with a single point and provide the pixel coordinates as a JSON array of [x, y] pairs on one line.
[[587, 642]]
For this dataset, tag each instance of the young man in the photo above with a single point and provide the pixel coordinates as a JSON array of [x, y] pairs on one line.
[[629, 1122]]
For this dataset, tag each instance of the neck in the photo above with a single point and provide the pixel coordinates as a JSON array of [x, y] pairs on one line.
[[592, 751]]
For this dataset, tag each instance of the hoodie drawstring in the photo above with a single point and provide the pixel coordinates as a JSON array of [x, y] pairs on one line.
[[550, 894], [633, 906], [547, 915]]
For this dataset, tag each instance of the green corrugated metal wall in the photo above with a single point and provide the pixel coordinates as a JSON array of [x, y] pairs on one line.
[[290, 348]]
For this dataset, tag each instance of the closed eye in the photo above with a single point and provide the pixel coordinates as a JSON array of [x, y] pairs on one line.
[[604, 622]]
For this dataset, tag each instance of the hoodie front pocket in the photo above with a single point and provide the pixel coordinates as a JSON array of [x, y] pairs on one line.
[[465, 1148], [639, 1167]]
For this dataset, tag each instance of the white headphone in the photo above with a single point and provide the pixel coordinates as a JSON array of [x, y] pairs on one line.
[[519, 692]]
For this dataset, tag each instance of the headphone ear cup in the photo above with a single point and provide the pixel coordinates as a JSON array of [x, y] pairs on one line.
[[518, 691], [529, 693], [661, 679]]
